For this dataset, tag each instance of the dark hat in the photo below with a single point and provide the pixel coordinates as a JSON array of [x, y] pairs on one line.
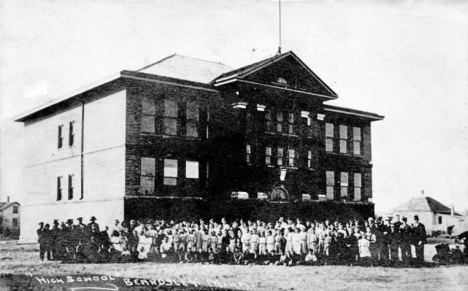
[[41, 223], [93, 218], [404, 218], [80, 219], [416, 217], [69, 221], [56, 221]]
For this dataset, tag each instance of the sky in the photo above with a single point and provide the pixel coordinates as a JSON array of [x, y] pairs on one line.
[[406, 60]]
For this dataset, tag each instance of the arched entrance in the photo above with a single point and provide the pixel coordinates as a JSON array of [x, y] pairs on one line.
[[279, 194]]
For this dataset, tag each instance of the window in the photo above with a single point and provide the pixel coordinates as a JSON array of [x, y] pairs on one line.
[[147, 175], [329, 137], [268, 121], [15, 209], [330, 185], [343, 139], [148, 115], [170, 117], [291, 127], [14, 222], [344, 184], [170, 172], [440, 219], [291, 157], [357, 187], [192, 119], [59, 188], [191, 170], [309, 159], [70, 187], [248, 153], [279, 121], [279, 157], [71, 134], [268, 155], [357, 140], [60, 136]]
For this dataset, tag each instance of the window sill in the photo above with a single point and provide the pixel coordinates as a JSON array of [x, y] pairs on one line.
[[170, 136], [280, 133]]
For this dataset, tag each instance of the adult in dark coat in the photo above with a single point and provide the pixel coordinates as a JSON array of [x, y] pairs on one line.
[[55, 232], [395, 240], [419, 238], [406, 238], [45, 242]]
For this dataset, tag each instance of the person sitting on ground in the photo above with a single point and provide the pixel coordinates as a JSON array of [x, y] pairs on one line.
[[189, 256], [211, 256], [237, 256], [310, 258], [165, 249]]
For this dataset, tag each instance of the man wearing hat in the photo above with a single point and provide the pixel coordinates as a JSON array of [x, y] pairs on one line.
[[419, 231], [406, 234], [93, 222]]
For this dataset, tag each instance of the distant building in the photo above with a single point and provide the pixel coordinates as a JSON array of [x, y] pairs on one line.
[[188, 128], [10, 216], [434, 215]]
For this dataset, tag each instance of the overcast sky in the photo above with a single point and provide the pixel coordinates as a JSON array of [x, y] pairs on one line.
[[407, 61]]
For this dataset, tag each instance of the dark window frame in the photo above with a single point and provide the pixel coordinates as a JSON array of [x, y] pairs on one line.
[[70, 187], [59, 188], [60, 136], [71, 133]]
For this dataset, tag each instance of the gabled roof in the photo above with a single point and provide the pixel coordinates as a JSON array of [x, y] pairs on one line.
[[249, 69], [5, 205], [186, 68], [423, 204]]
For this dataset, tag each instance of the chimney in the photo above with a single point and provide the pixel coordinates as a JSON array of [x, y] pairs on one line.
[[8, 198], [452, 210]]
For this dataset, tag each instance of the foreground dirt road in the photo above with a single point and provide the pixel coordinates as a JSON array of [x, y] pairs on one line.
[[23, 259]]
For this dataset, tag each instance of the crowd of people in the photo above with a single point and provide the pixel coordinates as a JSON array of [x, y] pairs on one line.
[[283, 242]]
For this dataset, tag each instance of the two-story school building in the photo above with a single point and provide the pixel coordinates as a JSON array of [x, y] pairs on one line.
[[188, 128]]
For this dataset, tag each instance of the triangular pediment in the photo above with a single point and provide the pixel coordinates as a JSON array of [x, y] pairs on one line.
[[284, 71]]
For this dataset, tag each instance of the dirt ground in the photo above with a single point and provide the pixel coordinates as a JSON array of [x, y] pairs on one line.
[[20, 259]]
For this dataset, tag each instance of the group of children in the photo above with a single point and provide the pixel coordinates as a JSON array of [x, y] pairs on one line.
[[240, 242]]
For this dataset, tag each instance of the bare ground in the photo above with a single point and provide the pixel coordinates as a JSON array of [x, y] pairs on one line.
[[20, 259]]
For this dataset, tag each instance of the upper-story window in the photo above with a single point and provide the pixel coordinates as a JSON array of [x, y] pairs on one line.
[[192, 169], [330, 181], [279, 156], [344, 184], [171, 113], [291, 157], [291, 126], [248, 154], [343, 139], [309, 159], [70, 187], [60, 136], [357, 140], [357, 186], [279, 121], [15, 209], [148, 115], [329, 135], [71, 133], [268, 124], [268, 155], [59, 188], [147, 174], [193, 117], [170, 172]]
